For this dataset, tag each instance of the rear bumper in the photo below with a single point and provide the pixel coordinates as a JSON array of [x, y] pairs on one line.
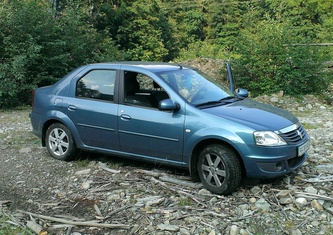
[[37, 121]]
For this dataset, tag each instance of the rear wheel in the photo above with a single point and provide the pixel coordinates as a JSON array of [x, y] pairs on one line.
[[219, 169], [60, 142]]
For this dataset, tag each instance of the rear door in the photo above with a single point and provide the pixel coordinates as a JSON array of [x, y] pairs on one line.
[[93, 109]]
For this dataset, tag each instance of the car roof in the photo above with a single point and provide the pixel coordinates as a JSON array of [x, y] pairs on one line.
[[150, 66]]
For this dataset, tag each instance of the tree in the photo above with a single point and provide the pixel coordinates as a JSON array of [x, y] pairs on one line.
[[37, 48], [267, 64], [143, 31], [224, 23]]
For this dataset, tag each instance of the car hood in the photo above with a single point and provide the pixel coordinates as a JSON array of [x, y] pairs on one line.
[[254, 114]]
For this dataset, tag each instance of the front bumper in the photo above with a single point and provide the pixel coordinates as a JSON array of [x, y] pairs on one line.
[[272, 162]]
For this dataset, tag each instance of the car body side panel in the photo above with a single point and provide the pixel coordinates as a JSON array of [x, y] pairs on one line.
[[95, 121], [151, 132], [256, 159]]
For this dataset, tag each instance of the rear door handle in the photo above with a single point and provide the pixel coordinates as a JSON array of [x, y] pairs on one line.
[[71, 107]]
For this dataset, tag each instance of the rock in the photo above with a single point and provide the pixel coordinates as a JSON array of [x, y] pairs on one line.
[[285, 200], [243, 232], [263, 205], [150, 200], [168, 227], [301, 201], [83, 172], [308, 106], [284, 193], [234, 230], [295, 232], [274, 100], [25, 150], [204, 192], [252, 200], [327, 168], [212, 232], [255, 190], [316, 205], [114, 197], [86, 184], [184, 231], [311, 189], [155, 201]]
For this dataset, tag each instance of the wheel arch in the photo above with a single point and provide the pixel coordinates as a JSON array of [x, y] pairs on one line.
[[46, 125], [201, 145], [62, 119]]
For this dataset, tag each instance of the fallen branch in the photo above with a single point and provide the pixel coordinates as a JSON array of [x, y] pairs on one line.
[[313, 196], [320, 179], [150, 173], [156, 181], [116, 211], [34, 227], [180, 182], [5, 202], [104, 167], [89, 224]]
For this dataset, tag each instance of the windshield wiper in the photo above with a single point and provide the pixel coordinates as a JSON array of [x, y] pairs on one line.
[[223, 101], [231, 99], [214, 102], [228, 98]]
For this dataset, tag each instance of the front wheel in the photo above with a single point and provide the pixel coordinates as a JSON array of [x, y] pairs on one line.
[[60, 142], [219, 169]]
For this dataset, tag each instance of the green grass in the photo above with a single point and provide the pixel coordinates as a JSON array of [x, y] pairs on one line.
[[310, 126], [6, 227], [185, 201]]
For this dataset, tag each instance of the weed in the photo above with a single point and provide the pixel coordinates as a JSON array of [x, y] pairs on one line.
[[9, 228], [309, 126], [185, 201]]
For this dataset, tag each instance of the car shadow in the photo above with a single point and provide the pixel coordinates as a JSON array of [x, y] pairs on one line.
[[115, 161]]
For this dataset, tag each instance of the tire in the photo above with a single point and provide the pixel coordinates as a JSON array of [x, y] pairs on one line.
[[219, 169], [60, 142]]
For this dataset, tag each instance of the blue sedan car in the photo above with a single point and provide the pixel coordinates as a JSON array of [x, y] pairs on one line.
[[171, 114]]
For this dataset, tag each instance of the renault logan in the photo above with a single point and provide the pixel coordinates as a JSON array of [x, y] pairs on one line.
[[170, 114]]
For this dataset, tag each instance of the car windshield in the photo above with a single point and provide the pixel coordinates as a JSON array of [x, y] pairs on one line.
[[197, 88]]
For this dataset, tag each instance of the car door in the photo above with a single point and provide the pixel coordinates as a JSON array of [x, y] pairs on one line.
[[93, 109], [144, 130]]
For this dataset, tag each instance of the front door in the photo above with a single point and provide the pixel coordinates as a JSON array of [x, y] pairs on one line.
[[144, 130]]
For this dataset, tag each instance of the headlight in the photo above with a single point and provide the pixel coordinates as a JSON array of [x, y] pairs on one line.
[[268, 138]]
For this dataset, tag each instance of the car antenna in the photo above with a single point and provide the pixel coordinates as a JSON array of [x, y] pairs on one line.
[[181, 67]]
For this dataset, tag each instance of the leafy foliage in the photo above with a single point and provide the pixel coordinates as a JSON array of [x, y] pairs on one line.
[[41, 40], [38, 47]]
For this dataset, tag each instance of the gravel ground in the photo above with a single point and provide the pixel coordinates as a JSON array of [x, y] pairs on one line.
[[106, 195]]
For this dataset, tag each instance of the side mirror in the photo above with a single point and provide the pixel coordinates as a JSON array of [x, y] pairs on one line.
[[168, 105], [242, 92]]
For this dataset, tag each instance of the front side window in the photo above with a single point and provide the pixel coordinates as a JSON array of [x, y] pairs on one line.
[[97, 84], [141, 90]]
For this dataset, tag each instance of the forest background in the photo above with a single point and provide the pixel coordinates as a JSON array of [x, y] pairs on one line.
[[273, 45]]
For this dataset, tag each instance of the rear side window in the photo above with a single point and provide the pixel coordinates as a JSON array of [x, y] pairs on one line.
[[97, 84]]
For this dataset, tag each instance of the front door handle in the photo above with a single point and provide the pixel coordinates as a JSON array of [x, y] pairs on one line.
[[125, 117]]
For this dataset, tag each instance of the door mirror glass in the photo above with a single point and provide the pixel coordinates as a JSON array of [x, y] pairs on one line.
[[242, 92], [168, 105]]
